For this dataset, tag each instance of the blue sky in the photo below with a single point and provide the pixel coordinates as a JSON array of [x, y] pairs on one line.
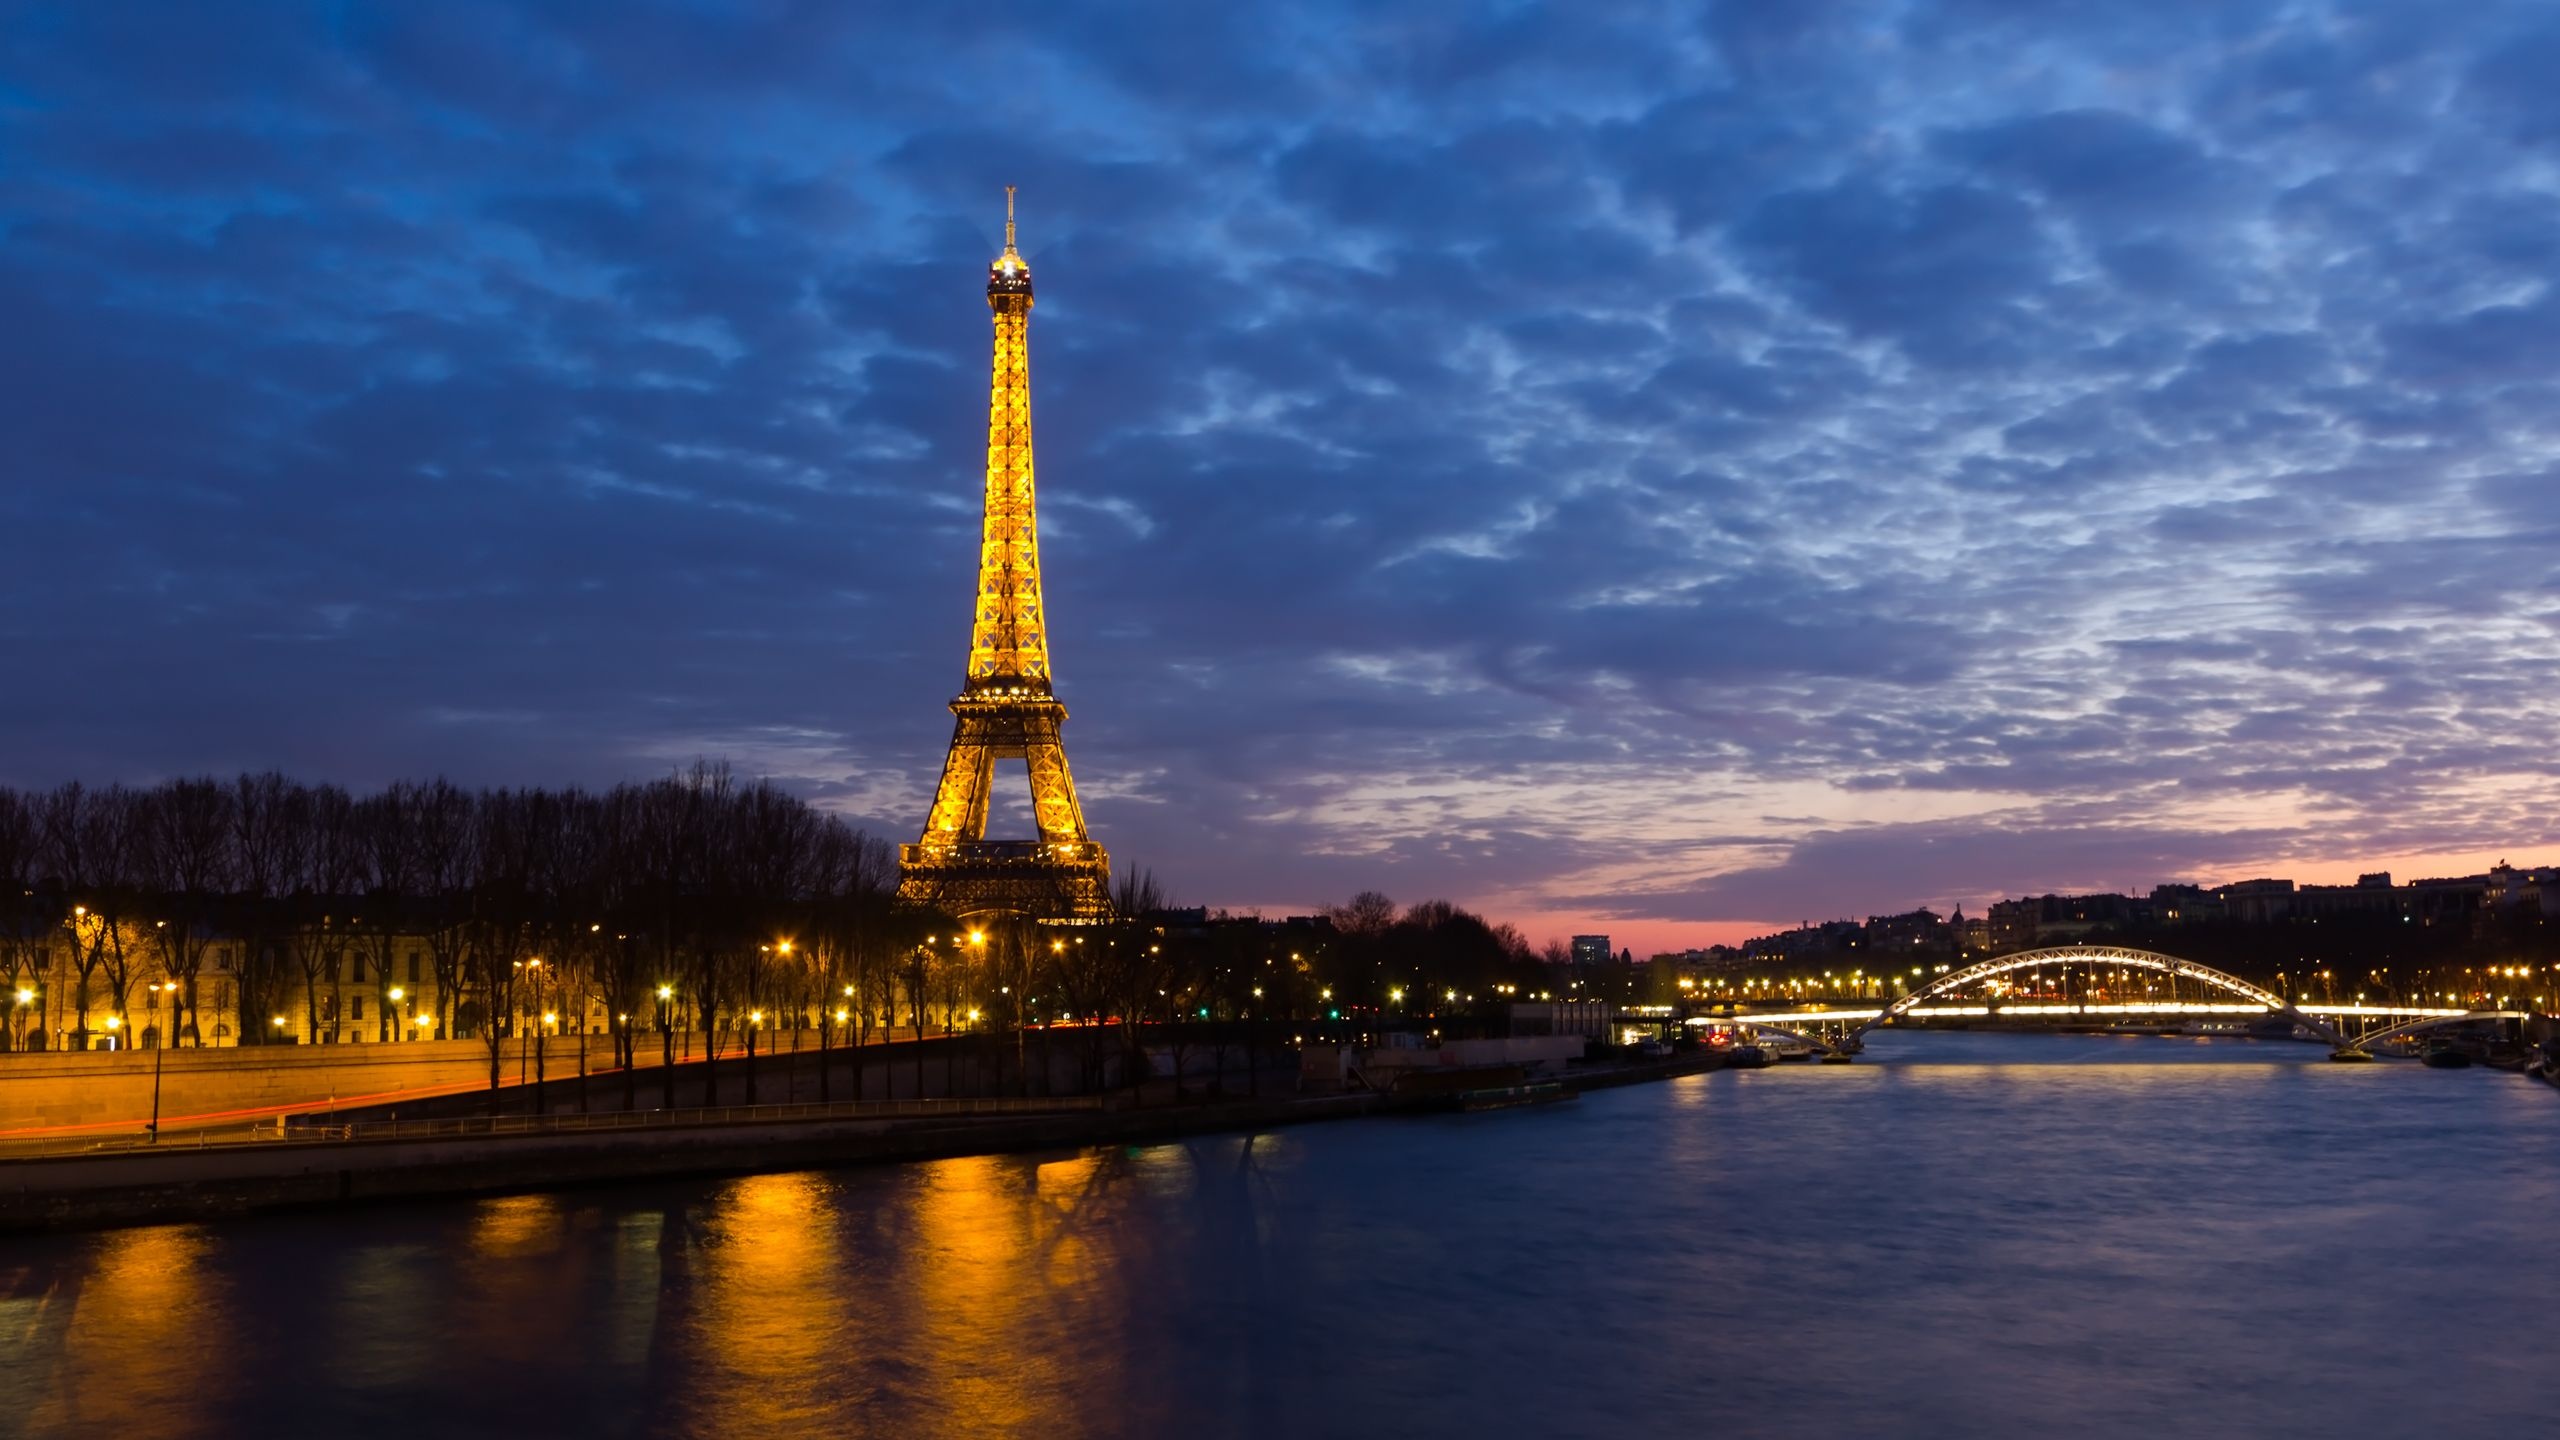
[[1670, 469]]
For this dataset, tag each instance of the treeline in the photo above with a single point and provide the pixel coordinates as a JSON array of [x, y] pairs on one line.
[[694, 902], [1435, 955], [695, 896]]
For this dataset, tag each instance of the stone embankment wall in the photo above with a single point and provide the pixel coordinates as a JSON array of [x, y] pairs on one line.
[[180, 1182], [137, 1187]]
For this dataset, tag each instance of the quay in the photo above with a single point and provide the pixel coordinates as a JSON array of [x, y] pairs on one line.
[[298, 1166]]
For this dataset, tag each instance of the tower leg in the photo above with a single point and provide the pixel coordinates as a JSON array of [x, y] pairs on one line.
[[1053, 793], [960, 801]]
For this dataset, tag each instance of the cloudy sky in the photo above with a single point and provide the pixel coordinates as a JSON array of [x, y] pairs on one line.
[[1674, 470]]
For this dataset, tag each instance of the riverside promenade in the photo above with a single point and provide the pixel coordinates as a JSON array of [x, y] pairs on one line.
[[128, 1182]]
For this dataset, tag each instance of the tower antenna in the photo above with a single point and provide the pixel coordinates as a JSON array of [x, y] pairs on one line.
[[1008, 220]]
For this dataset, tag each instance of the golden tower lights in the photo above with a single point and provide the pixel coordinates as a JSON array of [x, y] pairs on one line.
[[1005, 709]]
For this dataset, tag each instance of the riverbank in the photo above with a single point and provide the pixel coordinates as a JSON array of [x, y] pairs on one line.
[[354, 1164]]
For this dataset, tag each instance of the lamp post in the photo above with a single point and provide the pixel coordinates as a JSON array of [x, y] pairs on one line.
[[533, 971], [159, 1055], [397, 994], [667, 1044], [541, 1033]]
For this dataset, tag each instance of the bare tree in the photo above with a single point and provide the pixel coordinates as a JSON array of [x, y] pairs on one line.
[[384, 848], [444, 838], [190, 865], [26, 920], [271, 836], [319, 936]]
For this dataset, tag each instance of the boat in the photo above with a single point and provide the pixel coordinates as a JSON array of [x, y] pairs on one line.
[[1504, 1097], [1746, 1057], [2446, 1057], [2349, 1055], [1838, 1057]]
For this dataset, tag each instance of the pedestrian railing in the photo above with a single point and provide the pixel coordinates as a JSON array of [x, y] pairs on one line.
[[702, 1115]]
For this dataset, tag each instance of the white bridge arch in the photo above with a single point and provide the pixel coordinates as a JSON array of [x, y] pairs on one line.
[[1974, 974]]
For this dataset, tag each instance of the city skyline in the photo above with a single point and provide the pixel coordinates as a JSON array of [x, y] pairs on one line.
[[1787, 468]]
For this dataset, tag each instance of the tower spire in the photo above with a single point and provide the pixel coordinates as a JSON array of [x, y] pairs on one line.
[[1008, 223]]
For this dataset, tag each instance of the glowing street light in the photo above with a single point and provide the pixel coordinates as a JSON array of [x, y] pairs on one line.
[[160, 1050]]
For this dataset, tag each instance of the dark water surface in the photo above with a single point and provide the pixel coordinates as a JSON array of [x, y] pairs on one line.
[[1958, 1236]]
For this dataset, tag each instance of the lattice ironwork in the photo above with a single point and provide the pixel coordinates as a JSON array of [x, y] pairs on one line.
[[1005, 709]]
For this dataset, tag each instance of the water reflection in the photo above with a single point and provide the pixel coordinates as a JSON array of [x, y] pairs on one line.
[[768, 1328], [122, 1342], [2010, 1236]]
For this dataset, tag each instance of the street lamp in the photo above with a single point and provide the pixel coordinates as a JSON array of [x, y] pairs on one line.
[[159, 1056], [667, 1044]]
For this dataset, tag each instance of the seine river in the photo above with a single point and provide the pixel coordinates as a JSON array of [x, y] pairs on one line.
[[1962, 1235]]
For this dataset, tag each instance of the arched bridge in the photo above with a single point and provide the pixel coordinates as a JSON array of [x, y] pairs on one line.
[[1955, 981], [1845, 1038]]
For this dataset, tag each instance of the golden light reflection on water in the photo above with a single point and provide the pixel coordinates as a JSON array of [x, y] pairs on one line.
[[514, 1226], [769, 1322], [517, 1260], [128, 1337]]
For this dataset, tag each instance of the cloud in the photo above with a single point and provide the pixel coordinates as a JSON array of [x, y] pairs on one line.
[[1688, 469]]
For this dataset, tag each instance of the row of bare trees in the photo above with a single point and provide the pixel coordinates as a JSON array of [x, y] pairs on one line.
[[697, 897], [697, 902]]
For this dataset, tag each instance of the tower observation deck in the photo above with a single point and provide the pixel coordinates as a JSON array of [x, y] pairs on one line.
[[1007, 708]]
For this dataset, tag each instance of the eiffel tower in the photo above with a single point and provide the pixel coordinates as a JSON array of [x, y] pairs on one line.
[[1006, 708]]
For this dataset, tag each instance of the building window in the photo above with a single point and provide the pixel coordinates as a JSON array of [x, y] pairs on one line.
[[413, 967], [357, 1012]]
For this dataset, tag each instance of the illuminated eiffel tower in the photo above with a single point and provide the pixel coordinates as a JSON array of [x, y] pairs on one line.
[[1006, 709]]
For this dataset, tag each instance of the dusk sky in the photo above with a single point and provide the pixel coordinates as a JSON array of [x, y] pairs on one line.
[[1670, 470]]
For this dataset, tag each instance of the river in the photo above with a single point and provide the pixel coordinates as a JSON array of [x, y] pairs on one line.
[[1961, 1235]]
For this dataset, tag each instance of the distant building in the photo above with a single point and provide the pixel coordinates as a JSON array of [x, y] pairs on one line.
[[2185, 905], [1591, 950], [1972, 936], [2057, 919], [2258, 902], [1913, 930]]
